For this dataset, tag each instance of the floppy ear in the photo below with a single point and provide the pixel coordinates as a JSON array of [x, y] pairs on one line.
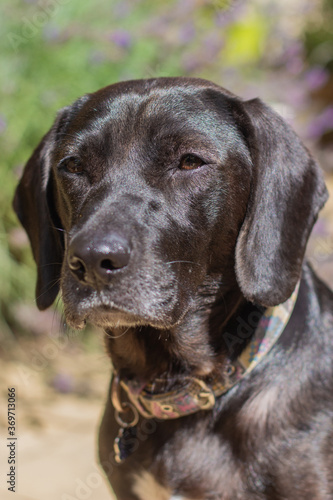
[[287, 193], [34, 204]]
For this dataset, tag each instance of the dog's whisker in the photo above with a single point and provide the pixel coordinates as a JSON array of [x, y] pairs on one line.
[[51, 264], [51, 283], [117, 336], [184, 262], [60, 318]]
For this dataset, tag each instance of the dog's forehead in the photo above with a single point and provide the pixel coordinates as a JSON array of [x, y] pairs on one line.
[[145, 103], [160, 88]]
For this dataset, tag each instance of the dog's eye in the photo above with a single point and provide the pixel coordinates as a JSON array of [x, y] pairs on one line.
[[72, 165], [190, 162]]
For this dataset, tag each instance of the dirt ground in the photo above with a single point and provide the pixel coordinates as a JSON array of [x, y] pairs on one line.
[[57, 418], [61, 387]]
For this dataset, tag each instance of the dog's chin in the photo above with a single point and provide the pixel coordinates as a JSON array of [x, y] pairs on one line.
[[112, 316]]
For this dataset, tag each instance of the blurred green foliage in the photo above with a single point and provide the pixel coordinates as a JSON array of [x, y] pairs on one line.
[[318, 39], [57, 50]]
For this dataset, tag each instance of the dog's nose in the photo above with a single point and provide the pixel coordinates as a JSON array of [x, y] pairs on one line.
[[96, 261]]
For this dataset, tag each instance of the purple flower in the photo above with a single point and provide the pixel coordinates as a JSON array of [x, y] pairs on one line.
[[321, 124], [51, 32], [187, 33], [295, 65], [228, 15], [122, 38], [316, 77], [293, 57], [293, 50], [295, 96], [63, 383], [213, 44], [191, 63]]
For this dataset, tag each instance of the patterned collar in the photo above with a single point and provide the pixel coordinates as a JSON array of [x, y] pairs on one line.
[[194, 394]]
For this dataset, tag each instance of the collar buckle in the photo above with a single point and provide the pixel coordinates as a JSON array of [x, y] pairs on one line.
[[191, 397]]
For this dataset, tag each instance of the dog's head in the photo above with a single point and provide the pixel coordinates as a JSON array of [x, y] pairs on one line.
[[145, 191]]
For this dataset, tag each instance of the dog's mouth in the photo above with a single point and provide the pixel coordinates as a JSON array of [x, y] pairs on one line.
[[113, 315], [105, 316]]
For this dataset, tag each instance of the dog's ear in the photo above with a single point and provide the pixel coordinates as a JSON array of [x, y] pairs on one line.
[[35, 207], [287, 193]]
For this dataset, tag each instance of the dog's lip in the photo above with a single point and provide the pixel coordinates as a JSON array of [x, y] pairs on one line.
[[111, 309], [107, 315], [101, 310], [115, 313]]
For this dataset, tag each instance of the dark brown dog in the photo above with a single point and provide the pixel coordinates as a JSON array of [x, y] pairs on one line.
[[172, 214]]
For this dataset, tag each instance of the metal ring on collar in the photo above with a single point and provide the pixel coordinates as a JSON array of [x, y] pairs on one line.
[[126, 407]]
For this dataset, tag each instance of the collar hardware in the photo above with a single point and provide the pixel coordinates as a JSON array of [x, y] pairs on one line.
[[121, 409], [192, 396]]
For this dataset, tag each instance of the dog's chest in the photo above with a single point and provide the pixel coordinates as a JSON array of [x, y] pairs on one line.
[[194, 465]]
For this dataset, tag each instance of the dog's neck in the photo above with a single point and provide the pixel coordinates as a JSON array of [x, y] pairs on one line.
[[200, 346]]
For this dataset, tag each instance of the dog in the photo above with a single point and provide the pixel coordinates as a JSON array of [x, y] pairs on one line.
[[175, 216]]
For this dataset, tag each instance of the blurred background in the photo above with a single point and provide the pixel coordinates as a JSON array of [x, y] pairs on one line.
[[53, 52]]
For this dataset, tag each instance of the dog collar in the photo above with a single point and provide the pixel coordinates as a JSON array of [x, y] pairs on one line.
[[195, 394]]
